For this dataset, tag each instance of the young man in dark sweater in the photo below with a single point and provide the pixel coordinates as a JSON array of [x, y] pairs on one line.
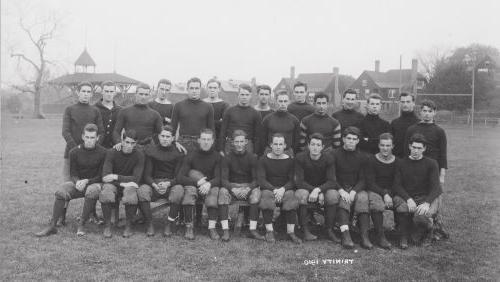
[[85, 161], [418, 191], [380, 173], [300, 108], [192, 115], [275, 174], [263, 95], [348, 116], [200, 175], [122, 171], [350, 166], [239, 176], [320, 122], [315, 177], [282, 122], [163, 162], [74, 120], [109, 112], [242, 117], [220, 106], [436, 146], [400, 125], [145, 121], [372, 125], [161, 104]]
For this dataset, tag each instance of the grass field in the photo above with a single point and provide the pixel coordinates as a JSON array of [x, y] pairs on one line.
[[31, 167]]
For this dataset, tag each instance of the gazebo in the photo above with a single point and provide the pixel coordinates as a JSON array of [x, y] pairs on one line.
[[85, 68]]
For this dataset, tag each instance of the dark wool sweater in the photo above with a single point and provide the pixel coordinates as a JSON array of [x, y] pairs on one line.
[[380, 176], [264, 114], [74, 120], [371, 127], [324, 124], [399, 127], [348, 118], [192, 116], [128, 167], [417, 179], [300, 110], [109, 120], [284, 123], [86, 163], [162, 162], [239, 168], [349, 169], [243, 118], [165, 110], [206, 162], [436, 141], [273, 174], [145, 121], [310, 173]]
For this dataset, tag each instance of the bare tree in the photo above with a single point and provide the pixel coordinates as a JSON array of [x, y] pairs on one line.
[[430, 58], [39, 40]]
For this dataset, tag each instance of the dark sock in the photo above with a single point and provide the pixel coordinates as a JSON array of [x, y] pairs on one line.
[[268, 216], [188, 214], [57, 211], [343, 216], [174, 210], [212, 213], [254, 212], [303, 215], [199, 213], [88, 207], [130, 212], [330, 213], [145, 208], [223, 212], [291, 216], [378, 221], [106, 212]]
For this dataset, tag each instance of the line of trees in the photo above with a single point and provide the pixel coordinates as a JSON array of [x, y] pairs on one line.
[[451, 72]]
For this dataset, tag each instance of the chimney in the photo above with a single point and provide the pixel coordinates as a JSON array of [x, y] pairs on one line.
[[377, 66], [292, 72], [414, 73], [336, 93]]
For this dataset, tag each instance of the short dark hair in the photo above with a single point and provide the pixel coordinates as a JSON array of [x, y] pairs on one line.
[[317, 136], [277, 135], [282, 92], [143, 86], [373, 96], [353, 130], [163, 81], [130, 133], [212, 80], [386, 136], [239, 132], [299, 84], [263, 87], [428, 103], [245, 86], [406, 94], [207, 131], [193, 80], [167, 128], [90, 127], [321, 95], [349, 91], [417, 138], [85, 83], [108, 83]]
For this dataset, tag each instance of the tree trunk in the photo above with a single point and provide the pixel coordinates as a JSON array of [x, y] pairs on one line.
[[36, 105]]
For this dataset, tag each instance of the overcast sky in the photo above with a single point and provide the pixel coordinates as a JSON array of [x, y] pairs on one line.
[[243, 39]]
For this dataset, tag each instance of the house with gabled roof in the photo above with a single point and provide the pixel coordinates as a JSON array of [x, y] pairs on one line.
[[331, 83], [389, 84]]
